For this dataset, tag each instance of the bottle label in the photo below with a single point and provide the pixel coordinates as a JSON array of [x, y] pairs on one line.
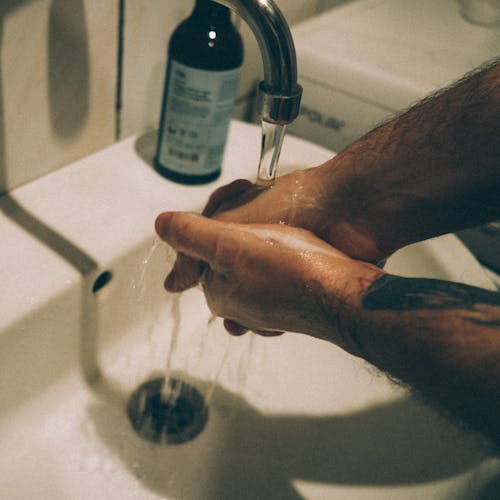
[[198, 108]]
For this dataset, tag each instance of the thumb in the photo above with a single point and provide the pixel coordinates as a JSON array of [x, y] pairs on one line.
[[193, 235]]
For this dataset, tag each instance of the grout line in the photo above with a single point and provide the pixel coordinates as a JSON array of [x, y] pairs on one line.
[[119, 69]]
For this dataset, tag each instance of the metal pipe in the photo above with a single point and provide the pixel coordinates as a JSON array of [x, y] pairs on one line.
[[279, 91]]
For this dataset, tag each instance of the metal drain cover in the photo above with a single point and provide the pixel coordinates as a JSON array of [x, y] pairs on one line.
[[167, 420]]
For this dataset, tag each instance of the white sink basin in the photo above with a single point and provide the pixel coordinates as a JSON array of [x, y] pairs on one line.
[[289, 417]]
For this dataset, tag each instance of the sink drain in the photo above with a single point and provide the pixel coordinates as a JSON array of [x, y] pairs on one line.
[[161, 420]]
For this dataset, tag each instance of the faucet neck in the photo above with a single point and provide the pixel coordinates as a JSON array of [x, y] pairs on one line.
[[280, 93]]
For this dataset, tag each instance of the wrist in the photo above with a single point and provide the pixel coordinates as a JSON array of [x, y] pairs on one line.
[[359, 212], [339, 292]]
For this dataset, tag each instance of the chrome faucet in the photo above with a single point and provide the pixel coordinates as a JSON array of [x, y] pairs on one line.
[[279, 91]]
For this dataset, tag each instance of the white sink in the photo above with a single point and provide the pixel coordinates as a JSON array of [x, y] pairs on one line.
[[289, 417]]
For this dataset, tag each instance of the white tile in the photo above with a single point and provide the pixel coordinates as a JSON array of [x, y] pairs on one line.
[[57, 93], [243, 108]]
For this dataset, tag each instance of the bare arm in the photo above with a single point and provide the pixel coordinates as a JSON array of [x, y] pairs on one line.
[[432, 170], [441, 338]]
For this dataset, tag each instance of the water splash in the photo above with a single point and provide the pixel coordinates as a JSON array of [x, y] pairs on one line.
[[222, 363], [140, 284], [170, 392], [145, 260]]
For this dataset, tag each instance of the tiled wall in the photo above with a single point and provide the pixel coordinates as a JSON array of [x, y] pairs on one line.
[[147, 27], [57, 84], [58, 75]]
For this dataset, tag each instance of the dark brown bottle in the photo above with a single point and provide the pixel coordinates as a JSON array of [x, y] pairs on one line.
[[204, 60]]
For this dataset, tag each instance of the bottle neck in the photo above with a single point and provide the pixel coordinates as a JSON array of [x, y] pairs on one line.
[[212, 10]]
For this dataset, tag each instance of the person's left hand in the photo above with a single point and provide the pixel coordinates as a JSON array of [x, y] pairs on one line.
[[269, 278]]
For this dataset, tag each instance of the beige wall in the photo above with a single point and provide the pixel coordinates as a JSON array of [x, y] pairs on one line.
[[58, 76], [57, 84], [148, 25]]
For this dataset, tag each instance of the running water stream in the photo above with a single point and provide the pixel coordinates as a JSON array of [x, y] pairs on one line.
[[270, 150]]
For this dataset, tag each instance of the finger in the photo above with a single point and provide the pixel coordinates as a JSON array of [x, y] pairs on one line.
[[268, 333], [226, 194], [191, 234], [235, 328], [185, 274]]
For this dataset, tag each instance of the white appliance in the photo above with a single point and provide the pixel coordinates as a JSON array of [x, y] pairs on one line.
[[363, 61]]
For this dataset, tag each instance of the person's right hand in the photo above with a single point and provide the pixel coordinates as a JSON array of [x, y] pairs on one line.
[[271, 278], [310, 199]]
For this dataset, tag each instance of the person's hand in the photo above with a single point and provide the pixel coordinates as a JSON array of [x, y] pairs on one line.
[[310, 199], [269, 278], [316, 199]]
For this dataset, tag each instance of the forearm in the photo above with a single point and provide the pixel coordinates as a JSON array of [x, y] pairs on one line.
[[441, 338], [431, 170]]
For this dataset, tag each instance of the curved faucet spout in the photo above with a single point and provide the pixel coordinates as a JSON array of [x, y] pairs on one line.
[[280, 92]]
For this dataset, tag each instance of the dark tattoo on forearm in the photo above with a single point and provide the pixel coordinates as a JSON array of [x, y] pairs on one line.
[[408, 294]]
